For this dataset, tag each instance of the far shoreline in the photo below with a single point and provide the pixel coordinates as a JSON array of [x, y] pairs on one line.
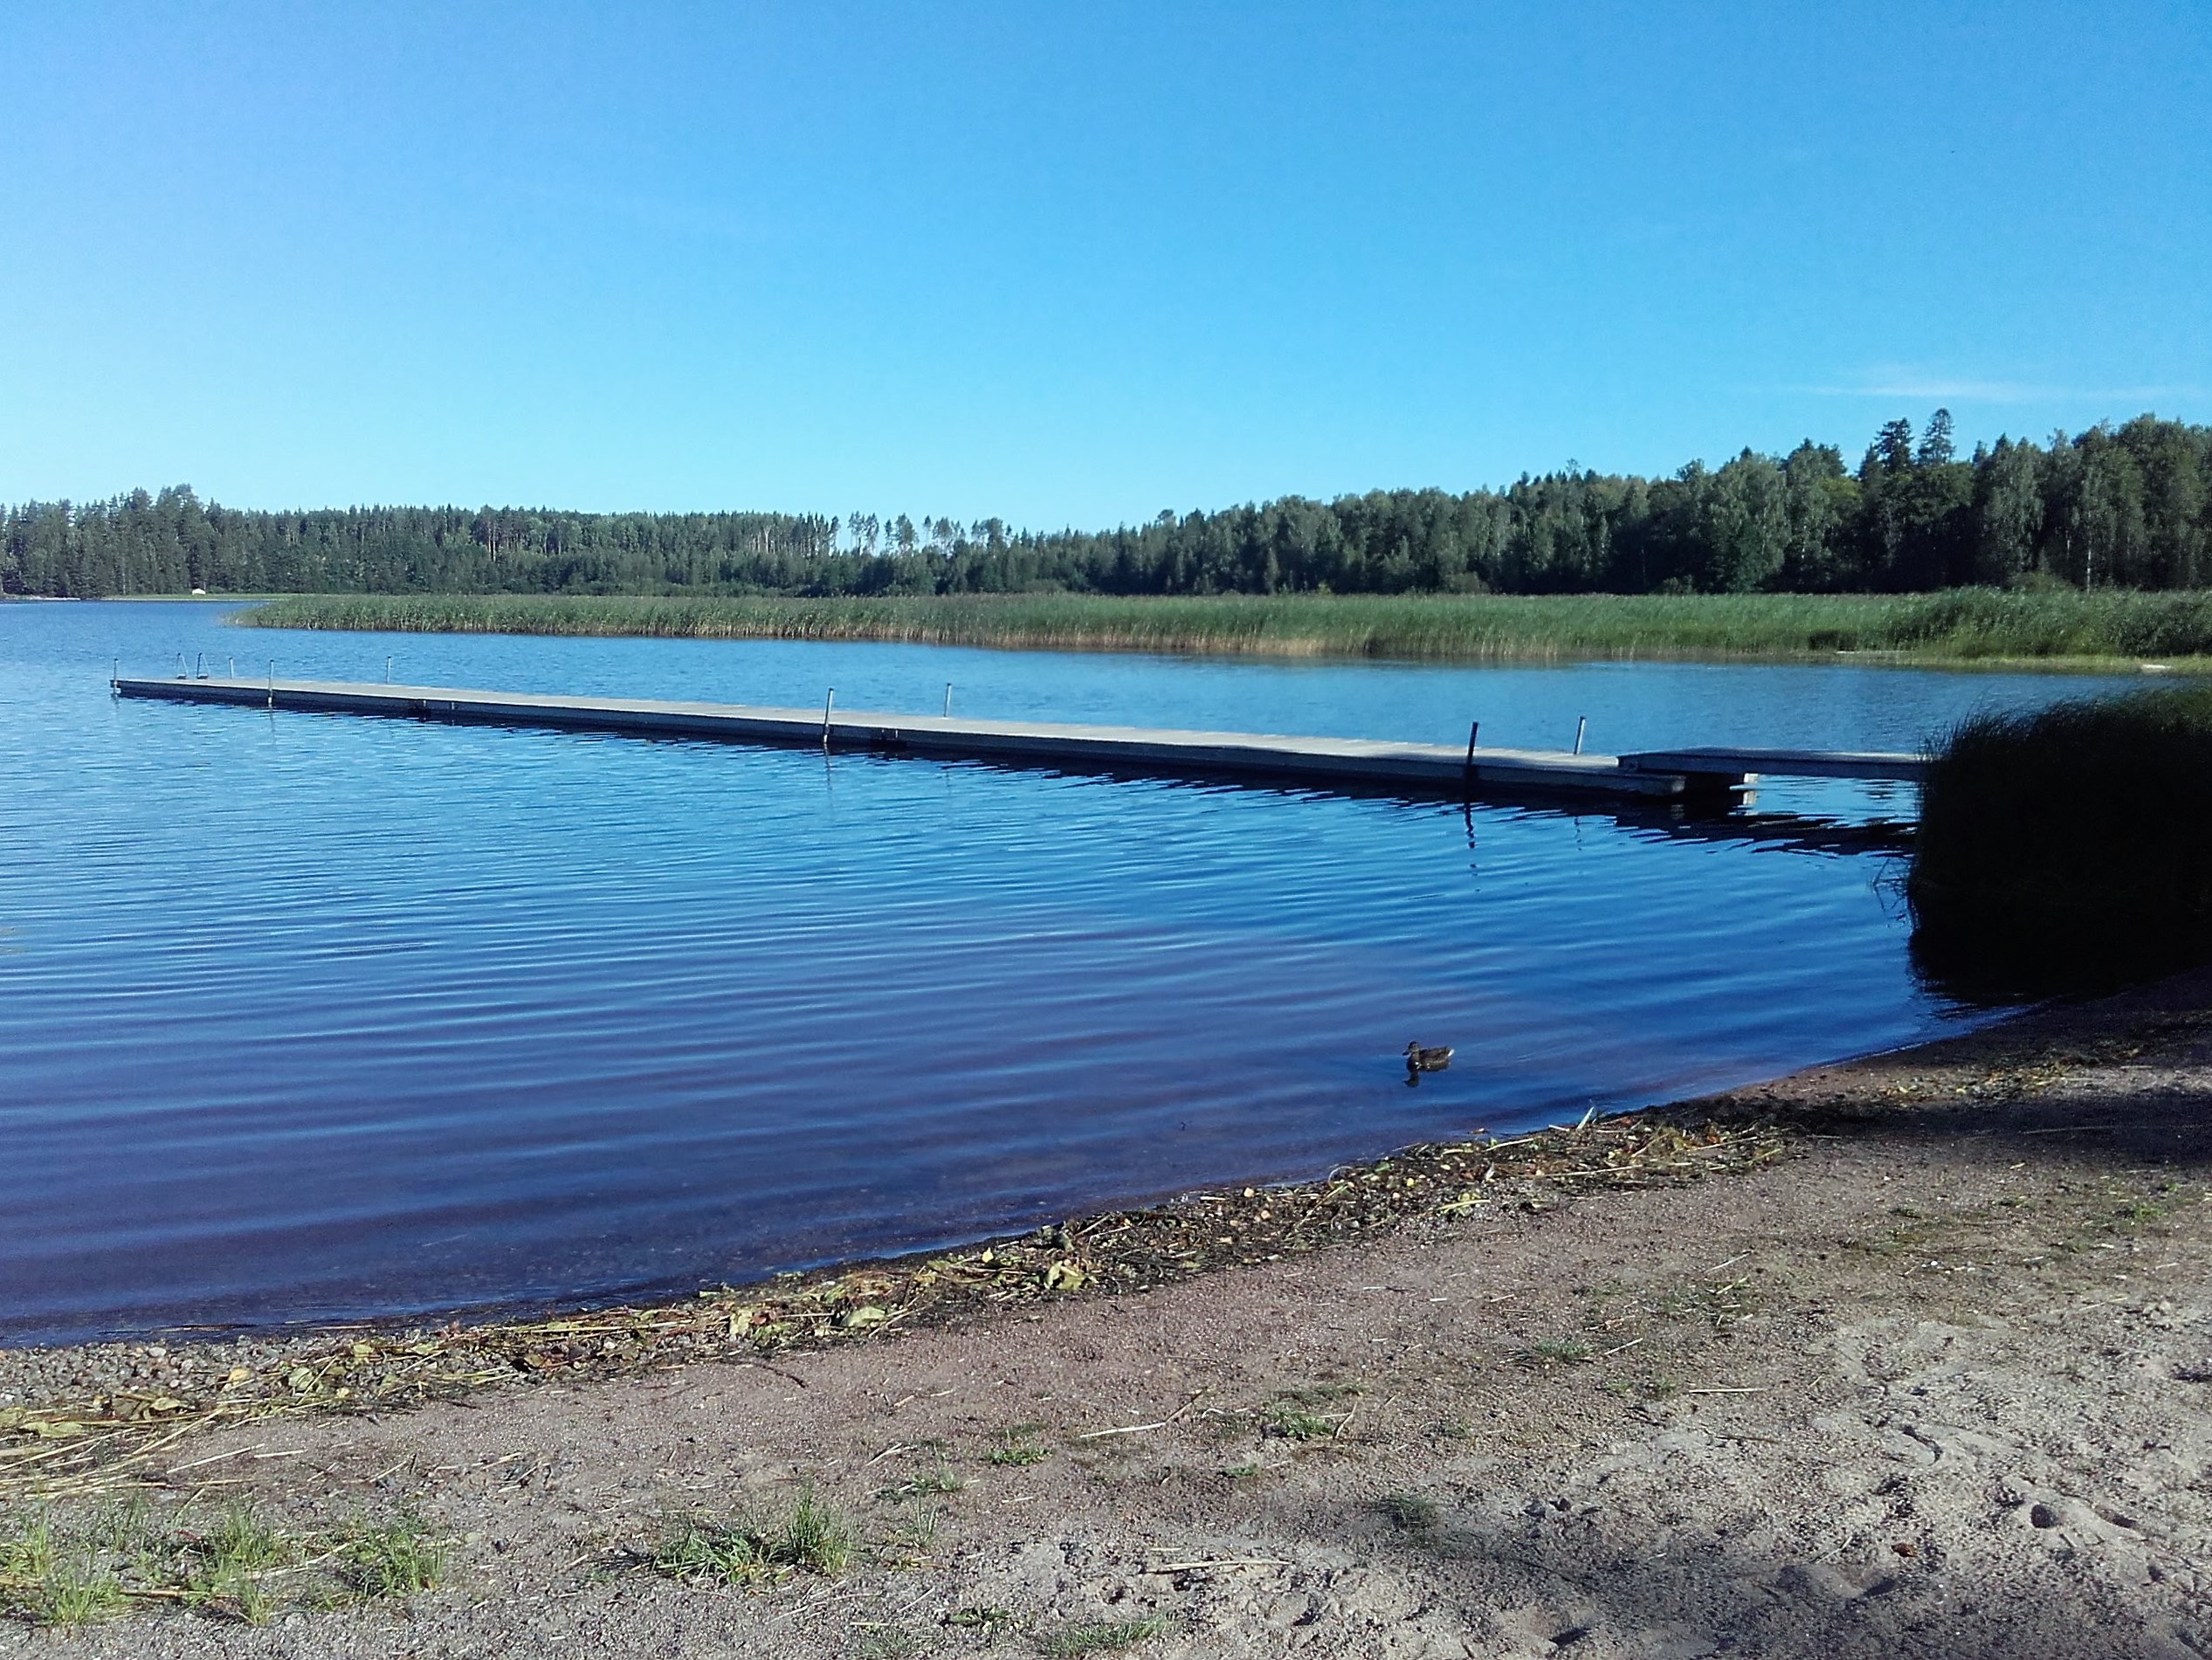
[[1977, 631]]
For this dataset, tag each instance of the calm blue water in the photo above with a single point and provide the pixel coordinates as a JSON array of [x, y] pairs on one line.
[[309, 1017]]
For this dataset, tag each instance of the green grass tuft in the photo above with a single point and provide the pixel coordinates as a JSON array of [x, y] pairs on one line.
[[1556, 1351], [242, 1541], [1017, 1446], [75, 1593], [812, 1535], [939, 1480], [809, 1535], [128, 1528], [52, 1578], [398, 1558], [1293, 1423], [224, 1564], [29, 1549], [1410, 1512], [240, 1565], [694, 1548], [1100, 1636]]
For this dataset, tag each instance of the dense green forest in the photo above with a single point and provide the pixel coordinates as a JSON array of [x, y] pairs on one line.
[[2128, 507]]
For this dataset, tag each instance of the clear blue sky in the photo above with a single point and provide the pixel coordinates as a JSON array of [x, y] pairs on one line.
[[1072, 263]]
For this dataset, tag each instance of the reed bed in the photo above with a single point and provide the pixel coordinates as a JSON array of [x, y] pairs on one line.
[[2069, 843], [121, 1438], [1964, 625]]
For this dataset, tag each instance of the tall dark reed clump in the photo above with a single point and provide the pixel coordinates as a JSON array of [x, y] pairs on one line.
[[2069, 846]]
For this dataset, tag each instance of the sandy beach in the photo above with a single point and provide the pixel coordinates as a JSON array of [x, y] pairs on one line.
[[1922, 1366]]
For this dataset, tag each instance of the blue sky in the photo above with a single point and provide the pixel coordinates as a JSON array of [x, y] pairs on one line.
[[1072, 264]]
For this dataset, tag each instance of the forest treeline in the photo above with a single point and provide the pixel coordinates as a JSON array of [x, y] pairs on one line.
[[2125, 507]]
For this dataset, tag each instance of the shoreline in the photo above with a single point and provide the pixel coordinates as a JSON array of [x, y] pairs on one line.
[[103, 1389], [1529, 651], [400, 1362], [1965, 628], [1916, 1368], [1105, 643]]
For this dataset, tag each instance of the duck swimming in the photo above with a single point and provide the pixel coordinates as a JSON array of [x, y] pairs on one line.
[[1428, 1060]]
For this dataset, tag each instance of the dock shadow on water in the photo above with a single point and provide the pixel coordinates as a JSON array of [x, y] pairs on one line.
[[307, 1019]]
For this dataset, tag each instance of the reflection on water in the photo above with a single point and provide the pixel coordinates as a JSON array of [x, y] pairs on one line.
[[316, 1016]]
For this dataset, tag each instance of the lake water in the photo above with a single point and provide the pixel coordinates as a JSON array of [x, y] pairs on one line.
[[310, 1017]]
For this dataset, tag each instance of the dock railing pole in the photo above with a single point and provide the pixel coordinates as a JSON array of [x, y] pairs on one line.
[[1580, 723], [388, 670], [948, 699], [1473, 726], [273, 682], [829, 699]]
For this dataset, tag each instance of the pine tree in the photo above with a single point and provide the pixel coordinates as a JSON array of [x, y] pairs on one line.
[[1936, 447], [1893, 450]]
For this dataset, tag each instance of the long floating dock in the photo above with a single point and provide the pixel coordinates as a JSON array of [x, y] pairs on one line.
[[1427, 768]]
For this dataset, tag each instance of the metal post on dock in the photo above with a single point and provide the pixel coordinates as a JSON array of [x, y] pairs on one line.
[[388, 670], [183, 671], [828, 699], [273, 682], [200, 669], [948, 699], [234, 668], [115, 678], [1473, 726], [1581, 724]]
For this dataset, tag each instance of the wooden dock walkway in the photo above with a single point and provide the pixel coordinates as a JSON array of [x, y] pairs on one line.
[[1425, 769]]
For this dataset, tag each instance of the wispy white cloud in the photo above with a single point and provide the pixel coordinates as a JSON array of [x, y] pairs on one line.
[[1961, 391], [1925, 387]]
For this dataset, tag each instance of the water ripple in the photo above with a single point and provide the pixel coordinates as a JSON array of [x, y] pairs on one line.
[[314, 1018]]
